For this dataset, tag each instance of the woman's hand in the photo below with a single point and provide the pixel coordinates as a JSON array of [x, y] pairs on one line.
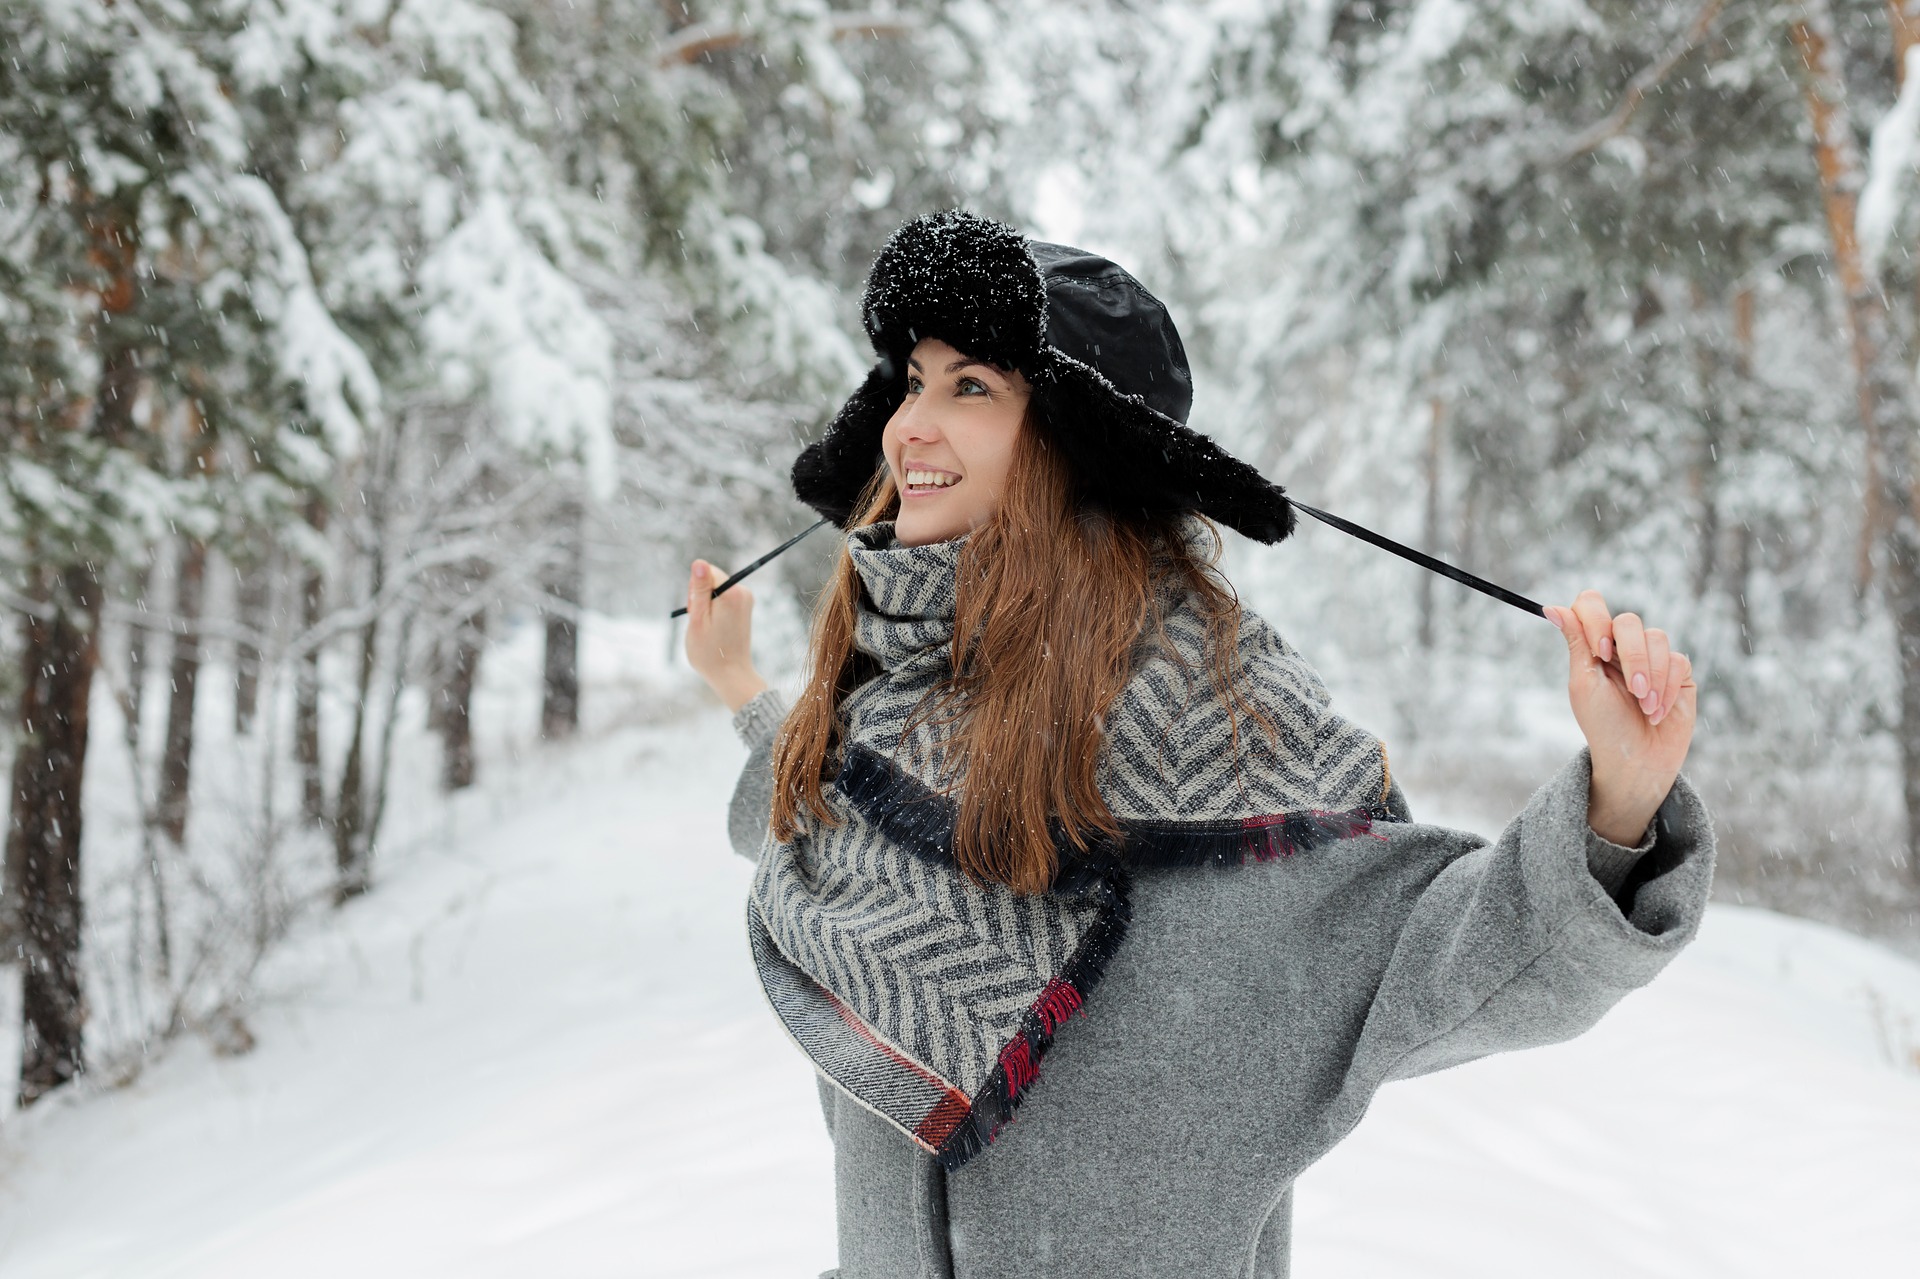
[[719, 637], [1634, 699]]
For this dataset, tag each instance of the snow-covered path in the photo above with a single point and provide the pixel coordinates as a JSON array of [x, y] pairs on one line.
[[538, 1049]]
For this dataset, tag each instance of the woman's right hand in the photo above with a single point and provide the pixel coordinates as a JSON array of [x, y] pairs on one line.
[[719, 637]]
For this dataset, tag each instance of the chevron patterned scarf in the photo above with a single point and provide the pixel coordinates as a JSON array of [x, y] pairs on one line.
[[930, 998]]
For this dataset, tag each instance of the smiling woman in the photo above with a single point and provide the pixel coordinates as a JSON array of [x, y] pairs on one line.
[[950, 444], [1044, 762]]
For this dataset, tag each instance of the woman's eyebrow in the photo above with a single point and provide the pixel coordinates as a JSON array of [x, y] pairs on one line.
[[956, 366]]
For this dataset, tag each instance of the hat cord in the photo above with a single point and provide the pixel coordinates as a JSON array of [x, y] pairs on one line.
[[1348, 527]]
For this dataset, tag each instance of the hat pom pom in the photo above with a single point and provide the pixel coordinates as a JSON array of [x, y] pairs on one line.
[[964, 279]]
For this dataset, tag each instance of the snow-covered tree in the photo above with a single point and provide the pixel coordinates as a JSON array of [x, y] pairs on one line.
[[1563, 291], [146, 270]]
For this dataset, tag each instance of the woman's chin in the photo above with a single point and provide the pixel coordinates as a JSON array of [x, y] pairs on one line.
[[922, 528]]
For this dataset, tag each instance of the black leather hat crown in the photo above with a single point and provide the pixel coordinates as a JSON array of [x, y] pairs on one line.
[[1109, 375]]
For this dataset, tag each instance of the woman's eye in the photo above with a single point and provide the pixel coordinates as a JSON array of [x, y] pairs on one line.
[[913, 386], [969, 385]]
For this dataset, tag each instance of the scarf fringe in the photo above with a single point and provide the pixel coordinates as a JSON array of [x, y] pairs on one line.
[[1066, 994]]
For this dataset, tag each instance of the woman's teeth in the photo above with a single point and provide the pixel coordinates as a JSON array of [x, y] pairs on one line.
[[930, 479]]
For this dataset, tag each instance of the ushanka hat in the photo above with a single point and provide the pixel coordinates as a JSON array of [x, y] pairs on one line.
[[1109, 375]]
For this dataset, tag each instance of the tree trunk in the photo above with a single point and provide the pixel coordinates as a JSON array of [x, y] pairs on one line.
[[60, 654], [1742, 580], [1903, 21], [1882, 394], [176, 761], [1744, 536], [43, 837], [1703, 477], [1436, 430], [256, 584], [1842, 174], [352, 874], [560, 709], [383, 776], [137, 647], [352, 838], [306, 690], [453, 704]]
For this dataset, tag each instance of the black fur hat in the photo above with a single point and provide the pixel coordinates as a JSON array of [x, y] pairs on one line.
[[1109, 375]]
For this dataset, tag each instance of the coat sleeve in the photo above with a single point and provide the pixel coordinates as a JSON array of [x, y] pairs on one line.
[[757, 723], [1530, 939]]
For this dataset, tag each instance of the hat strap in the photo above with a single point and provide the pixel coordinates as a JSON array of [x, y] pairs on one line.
[[1424, 560], [1348, 527]]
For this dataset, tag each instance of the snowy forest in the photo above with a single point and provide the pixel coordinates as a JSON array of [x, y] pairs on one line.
[[371, 370]]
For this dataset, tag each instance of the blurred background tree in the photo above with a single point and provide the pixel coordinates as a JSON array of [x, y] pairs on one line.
[[341, 338]]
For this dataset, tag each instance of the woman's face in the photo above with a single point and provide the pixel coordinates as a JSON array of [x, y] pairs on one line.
[[950, 443]]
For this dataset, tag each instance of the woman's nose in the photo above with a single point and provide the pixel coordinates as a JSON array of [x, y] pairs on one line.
[[919, 423]]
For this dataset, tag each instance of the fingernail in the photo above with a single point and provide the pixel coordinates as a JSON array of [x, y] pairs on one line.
[[700, 571], [1606, 648], [1639, 685], [1553, 615]]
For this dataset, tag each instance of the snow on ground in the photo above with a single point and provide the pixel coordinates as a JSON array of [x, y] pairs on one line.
[[509, 1061], [539, 1048]]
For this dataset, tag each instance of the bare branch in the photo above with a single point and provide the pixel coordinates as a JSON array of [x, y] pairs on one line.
[[22, 604], [1649, 79], [690, 44]]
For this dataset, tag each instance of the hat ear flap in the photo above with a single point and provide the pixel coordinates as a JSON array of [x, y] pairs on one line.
[[1114, 465], [1136, 463], [832, 472]]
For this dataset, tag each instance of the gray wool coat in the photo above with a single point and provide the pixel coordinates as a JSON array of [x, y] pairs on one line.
[[1245, 1023]]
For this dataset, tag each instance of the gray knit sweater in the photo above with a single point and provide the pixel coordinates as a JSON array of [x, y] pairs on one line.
[[1246, 1021]]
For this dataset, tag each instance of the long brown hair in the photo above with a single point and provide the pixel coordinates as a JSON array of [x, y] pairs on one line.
[[1052, 600]]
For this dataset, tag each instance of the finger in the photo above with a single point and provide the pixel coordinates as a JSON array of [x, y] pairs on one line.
[[1657, 663], [730, 603], [1578, 654], [1679, 680], [1591, 609], [1630, 650], [732, 617], [1582, 666], [700, 582]]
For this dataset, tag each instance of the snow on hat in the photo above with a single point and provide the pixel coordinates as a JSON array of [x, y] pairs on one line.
[[1110, 379]]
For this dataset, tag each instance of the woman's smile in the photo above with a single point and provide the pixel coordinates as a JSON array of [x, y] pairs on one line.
[[926, 481]]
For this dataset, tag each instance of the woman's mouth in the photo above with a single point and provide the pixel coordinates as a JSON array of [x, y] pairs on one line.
[[925, 480]]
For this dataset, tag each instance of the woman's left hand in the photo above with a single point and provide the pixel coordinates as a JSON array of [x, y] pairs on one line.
[[1634, 699]]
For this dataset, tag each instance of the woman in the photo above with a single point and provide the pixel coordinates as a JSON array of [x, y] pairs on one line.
[[1044, 765]]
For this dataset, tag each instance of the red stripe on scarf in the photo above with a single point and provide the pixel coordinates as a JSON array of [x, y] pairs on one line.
[[942, 1120], [947, 1113]]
